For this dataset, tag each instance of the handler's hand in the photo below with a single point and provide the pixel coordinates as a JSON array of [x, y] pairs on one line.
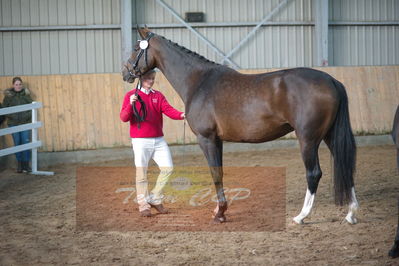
[[183, 115], [133, 98]]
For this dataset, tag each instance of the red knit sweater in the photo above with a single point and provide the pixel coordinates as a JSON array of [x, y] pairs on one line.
[[156, 105]]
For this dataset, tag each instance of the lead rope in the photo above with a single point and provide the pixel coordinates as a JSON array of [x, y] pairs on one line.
[[139, 117], [184, 141]]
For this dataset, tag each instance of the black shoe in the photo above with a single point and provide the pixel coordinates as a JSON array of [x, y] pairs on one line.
[[160, 208], [146, 213], [19, 167]]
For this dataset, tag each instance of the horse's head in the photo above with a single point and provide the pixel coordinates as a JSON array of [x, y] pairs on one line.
[[141, 60]]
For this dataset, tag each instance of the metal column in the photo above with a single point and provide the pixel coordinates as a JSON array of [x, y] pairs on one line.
[[126, 35], [126, 29], [321, 32]]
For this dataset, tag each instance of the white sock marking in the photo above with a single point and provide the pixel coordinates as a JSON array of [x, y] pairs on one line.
[[307, 207], [353, 206]]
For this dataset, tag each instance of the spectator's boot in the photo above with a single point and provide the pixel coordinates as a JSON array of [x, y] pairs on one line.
[[19, 167], [26, 168]]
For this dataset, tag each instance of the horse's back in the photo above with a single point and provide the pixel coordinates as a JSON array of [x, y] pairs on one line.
[[298, 72]]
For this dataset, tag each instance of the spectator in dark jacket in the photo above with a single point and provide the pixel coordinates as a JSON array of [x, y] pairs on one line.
[[2, 117], [17, 95]]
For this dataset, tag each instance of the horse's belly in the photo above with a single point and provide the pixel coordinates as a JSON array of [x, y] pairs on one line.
[[255, 134]]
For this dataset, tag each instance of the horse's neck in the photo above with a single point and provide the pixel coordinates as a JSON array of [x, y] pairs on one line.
[[184, 71]]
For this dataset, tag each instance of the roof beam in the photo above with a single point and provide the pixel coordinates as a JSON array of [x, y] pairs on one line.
[[253, 31], [199, 35]]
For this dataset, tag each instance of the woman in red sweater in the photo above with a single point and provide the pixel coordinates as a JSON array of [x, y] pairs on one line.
[[148, 142]]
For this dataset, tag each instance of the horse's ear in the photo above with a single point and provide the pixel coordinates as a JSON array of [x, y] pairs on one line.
[[143, 31]]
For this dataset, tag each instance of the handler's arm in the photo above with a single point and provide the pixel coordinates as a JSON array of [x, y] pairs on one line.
[[126, 113], [171, 112]]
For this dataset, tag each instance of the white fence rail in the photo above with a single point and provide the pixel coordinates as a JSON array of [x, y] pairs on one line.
[[34, 125]]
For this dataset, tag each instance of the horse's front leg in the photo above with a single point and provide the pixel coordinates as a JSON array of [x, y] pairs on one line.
[[213, 151]]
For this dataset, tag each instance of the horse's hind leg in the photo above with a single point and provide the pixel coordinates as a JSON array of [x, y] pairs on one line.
[[309, 151], [213, 150]]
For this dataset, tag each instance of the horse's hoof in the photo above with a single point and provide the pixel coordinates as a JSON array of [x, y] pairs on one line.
[[297, 220], [351, 220], [394, 252]]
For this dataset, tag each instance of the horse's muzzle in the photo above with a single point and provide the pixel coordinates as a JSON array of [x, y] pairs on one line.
[[128, 76]]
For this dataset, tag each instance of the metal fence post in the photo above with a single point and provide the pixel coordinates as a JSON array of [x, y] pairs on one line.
[[34, 139]]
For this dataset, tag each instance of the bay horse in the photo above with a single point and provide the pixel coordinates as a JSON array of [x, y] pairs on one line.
[[222, 104], [394, 252]]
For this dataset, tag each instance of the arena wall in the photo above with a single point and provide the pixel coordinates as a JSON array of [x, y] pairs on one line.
[[82, 111]]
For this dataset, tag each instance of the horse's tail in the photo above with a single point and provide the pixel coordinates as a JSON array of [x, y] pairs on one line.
[[343, 148]]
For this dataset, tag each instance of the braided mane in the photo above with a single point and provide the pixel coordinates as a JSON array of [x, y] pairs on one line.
[[188, 51]]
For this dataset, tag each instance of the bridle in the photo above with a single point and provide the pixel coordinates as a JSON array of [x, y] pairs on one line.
[[144, 44], [141, 114]]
